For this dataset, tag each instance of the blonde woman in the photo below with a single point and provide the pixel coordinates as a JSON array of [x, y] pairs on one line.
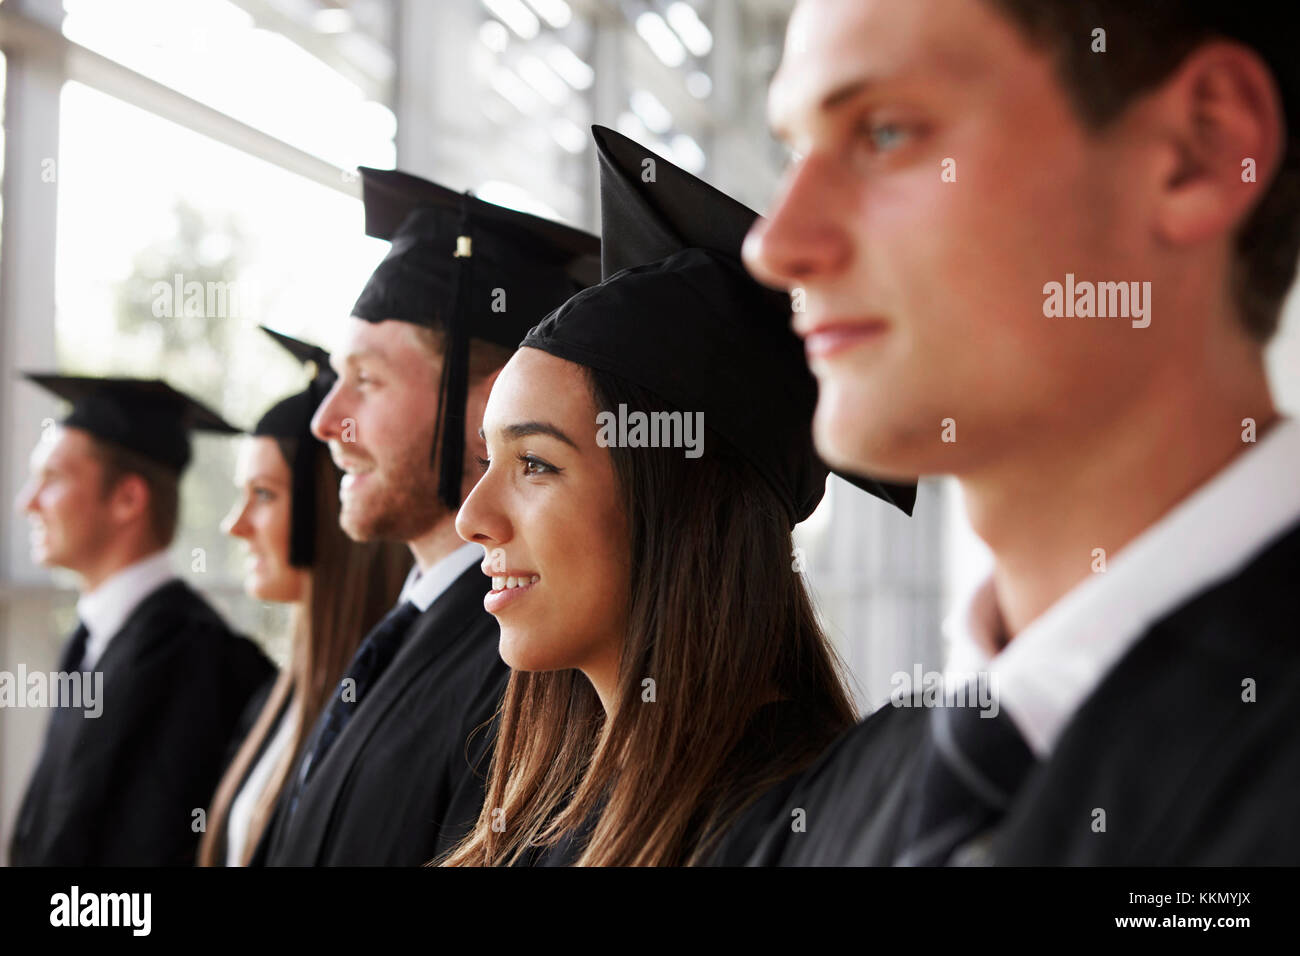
[[287, 512]]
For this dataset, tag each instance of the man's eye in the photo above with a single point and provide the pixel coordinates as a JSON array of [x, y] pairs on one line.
[[483, 463], [884, 136]]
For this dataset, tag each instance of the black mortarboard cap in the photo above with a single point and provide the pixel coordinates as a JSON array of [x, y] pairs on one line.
[[146, 416], [290, 418], [678, 315], [471, 269]]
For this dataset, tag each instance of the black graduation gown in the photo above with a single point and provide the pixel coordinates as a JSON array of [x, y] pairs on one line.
[[772, 728], [404, 780], [1185, 770], [121, 789]]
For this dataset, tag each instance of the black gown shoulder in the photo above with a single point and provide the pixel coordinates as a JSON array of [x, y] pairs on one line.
[[772, 729], [777, 727], [404, 781], [1188, 746], [126, 788]]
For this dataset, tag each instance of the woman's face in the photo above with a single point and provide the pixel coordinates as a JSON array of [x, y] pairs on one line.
[[260, 515], [548, 515]]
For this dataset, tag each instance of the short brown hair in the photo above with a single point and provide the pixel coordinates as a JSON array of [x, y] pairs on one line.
[[163, 483], [484, 357], [1145, 43]]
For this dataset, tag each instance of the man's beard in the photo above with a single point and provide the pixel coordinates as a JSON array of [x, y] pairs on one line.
[[403, 507]]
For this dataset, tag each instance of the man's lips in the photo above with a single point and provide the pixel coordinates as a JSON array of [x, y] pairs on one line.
[[354, 473], [347, 460], [825, 337]]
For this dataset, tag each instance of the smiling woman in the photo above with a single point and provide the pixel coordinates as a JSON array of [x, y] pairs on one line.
[[669, 669], [547, 507]]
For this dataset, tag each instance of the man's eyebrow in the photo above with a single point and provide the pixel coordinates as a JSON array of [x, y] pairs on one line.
[[525, 429], [355, 358], [845, 92], [831, 101]]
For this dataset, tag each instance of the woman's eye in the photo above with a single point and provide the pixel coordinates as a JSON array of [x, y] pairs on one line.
[[535, 466], [264, 495]]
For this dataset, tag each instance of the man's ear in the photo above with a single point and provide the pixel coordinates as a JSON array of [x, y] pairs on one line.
[[490, 380], [1221, 114], [475, 402], [128, 500]]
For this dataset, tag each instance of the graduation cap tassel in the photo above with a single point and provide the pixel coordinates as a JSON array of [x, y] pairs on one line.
[[455, 371], [302, 518]]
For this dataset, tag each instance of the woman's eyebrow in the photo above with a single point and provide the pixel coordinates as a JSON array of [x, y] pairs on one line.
[[525, 429]]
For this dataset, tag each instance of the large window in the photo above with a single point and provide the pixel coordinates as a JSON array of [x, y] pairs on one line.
[[205, 185], [171, 250], [216, 52]]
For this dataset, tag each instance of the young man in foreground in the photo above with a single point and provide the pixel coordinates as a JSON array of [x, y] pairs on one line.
[[1046, 254]]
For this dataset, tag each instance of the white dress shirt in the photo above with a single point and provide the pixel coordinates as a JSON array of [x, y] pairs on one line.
[[423, 589], [105, 609], [241, 808], [1048, 670]]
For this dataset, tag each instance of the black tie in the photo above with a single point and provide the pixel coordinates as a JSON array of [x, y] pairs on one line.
[[970, 768], [75, 650], [374, 654]]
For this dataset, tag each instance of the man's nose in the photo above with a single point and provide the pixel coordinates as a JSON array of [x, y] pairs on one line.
[[803, 238]]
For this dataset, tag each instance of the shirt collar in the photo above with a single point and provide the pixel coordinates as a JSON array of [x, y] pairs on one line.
[[423, 589], [105, 609], [1046, 673]]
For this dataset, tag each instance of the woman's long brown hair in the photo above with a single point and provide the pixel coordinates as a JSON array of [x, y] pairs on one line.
[[349, 587], [721, 624]]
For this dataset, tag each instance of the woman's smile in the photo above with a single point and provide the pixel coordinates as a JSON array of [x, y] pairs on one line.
[[506, 589]]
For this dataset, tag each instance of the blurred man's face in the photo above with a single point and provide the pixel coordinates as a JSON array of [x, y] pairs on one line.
[[65, 502], [379, 421], [921, 300]]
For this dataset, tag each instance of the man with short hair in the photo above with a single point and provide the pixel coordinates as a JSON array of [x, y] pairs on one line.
[[393, 771], [127, 785], [1040, 246]]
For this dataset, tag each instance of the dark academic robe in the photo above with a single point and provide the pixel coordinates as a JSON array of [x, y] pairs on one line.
[[772, 728], [1186, 768], [122, 789], [404, 781]]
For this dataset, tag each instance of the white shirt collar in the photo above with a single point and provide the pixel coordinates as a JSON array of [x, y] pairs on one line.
[[423, 589], [105, 609], [1051, 667]]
